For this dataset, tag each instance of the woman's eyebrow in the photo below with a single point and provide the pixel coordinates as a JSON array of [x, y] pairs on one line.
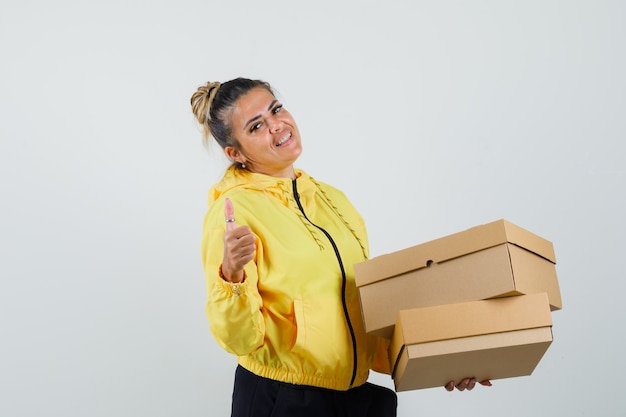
[[259, 116]]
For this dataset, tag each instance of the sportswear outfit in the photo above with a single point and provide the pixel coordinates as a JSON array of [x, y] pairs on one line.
[[295, 322]]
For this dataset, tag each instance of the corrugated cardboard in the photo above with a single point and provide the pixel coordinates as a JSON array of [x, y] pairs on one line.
[[488, 339], [497, 259], [493, 356]]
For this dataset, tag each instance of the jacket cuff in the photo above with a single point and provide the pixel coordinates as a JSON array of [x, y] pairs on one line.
[[233, 288]]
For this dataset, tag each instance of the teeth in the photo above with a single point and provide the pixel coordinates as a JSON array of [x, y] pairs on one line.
[[283, 140]]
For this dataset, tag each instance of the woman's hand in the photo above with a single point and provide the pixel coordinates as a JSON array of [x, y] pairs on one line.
[[239, 246], [466, 384]]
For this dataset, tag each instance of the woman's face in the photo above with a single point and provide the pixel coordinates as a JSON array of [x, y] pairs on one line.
[[267, 134]]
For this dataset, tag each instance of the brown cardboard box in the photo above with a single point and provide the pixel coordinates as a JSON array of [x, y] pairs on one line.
[[497, 259], [489, 339]]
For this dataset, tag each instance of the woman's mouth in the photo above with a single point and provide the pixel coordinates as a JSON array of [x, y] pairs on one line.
[[284, 139]]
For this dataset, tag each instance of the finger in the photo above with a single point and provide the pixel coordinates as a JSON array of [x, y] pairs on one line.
[[241, 242], [486, 383], [245, 257], [471, 384], [450, 386], [241, 234], [229, 215], [461, 386]]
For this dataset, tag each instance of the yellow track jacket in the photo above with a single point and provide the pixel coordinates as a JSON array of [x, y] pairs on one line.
[[287, 321]]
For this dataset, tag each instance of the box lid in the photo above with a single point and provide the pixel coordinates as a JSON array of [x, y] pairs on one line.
[[450, 247], [452, 321]]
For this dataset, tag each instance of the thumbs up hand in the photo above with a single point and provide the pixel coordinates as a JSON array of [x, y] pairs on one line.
[[239, 246]]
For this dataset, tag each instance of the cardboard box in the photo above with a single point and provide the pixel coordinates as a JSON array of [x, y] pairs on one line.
[[497, 259], [490, 339]]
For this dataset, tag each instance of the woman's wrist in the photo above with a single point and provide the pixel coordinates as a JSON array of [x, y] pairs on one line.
[[236, 278]]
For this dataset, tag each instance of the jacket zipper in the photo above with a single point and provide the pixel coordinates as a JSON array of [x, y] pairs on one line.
[[343, 283]]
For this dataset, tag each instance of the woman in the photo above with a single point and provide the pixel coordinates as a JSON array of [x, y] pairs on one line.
[[280, 278]]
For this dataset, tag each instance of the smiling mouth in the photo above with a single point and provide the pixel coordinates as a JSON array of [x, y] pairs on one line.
[[284, 139]]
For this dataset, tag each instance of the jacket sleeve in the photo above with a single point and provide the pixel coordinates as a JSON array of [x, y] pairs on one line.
[[234, 310], [381, 362]]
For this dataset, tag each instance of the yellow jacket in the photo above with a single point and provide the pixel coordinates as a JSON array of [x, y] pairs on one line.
[[286, 321]]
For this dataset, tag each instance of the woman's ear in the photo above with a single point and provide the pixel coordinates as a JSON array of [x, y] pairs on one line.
[[233, 153]]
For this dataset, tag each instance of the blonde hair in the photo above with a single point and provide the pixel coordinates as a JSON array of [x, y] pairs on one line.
[[201, 105]]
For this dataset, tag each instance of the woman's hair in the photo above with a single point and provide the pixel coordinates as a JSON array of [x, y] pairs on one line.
[[213, 103]]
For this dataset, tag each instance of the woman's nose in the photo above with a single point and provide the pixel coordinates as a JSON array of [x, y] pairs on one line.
[[276, 126]]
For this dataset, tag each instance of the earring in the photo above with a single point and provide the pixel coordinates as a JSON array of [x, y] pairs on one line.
[[243, 165]]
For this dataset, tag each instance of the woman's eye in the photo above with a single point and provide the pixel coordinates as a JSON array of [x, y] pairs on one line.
[[277, 109], [255, 127]]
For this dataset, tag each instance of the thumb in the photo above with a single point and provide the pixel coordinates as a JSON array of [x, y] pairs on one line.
[[229, 214]]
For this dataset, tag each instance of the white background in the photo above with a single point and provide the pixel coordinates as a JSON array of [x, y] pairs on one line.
[[432, 116]]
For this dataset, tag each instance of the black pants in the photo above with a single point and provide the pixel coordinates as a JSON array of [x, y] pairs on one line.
[[255, 396]]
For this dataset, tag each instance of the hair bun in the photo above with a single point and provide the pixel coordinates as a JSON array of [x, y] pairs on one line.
[[212, 88], [202, 99]]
